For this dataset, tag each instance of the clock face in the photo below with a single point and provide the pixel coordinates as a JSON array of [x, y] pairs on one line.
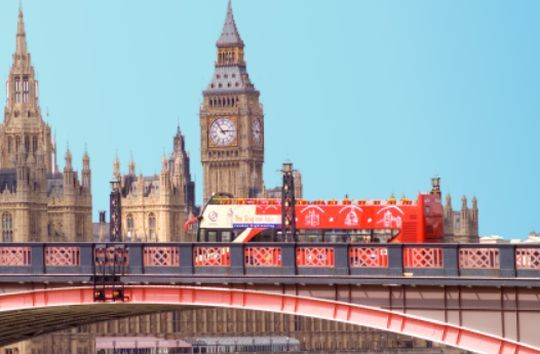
[[222, 131], [256, 128]]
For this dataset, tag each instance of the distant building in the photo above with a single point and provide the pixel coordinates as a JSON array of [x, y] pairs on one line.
[[461, 226], [101, 229], [532, 237], [298, 188], [493, 239], [141, 345], [155, 208]]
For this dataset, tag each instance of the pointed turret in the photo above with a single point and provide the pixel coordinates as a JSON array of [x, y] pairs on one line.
[[69, 165], [230, 36], [164, 165], [116, 168], [132, 168], [86, 160], [164, 178], [53, 155], [86, 172], [178, 140], [463, 203]]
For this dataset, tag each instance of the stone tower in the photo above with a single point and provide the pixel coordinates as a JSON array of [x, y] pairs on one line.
[[461, 226], [23, 127], [232, 122], [37, 202]]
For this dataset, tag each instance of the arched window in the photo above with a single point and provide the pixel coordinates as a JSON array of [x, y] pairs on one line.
[[130, 226], [27, 144], [152, 226], [7, 228]]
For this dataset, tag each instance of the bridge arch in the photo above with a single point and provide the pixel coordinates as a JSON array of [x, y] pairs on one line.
[[35, 312]]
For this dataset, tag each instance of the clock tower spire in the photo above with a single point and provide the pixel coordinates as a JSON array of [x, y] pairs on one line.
[[232, 122]]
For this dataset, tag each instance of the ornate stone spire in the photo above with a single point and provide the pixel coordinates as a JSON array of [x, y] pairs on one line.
[[230, 36], [86, 159], [22, 114], [21, 48], [86, 173], [132, 168]]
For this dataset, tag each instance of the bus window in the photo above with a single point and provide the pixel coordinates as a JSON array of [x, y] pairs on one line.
[[310, 235], [210, 236], [226, 236], [266, 235]]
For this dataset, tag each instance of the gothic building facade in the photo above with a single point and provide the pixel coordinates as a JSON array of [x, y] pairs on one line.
[[461, 226], [232, 122], [37, 202], [155, 208]]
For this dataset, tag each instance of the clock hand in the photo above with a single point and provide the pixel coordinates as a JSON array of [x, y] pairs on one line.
[[220, 128]]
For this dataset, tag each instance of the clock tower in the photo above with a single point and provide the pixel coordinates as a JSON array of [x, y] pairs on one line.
[[232, 122]]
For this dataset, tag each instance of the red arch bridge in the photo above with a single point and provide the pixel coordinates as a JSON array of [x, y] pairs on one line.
[[483, 298]]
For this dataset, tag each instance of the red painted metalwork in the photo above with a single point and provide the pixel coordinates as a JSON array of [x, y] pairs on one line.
[[315, 257], [15, 256], [423, 257], [211, 256], [528, 258], [368, 257], [62, 256], [371, 317], [262, 256], [161, 256], [479, 258]]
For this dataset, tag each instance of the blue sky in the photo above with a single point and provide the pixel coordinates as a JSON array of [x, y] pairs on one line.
[[378, 96]]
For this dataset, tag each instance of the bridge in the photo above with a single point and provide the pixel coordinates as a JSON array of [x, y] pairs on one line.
[[482, 298]]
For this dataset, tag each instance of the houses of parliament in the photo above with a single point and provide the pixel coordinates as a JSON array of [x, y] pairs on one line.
[[40, 202]]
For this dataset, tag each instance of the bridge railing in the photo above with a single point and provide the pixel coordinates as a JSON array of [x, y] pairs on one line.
[[340, 259]]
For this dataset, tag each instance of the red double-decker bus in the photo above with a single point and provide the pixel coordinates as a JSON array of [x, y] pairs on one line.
[[228, 219]]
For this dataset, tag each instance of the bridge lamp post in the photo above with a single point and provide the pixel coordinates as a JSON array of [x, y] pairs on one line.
[[116, 212], [288, 204]]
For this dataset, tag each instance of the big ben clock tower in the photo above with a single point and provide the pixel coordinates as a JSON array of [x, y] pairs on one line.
[[232, 122]]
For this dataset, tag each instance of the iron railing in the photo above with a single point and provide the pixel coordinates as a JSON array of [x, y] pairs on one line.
[[446, 260]]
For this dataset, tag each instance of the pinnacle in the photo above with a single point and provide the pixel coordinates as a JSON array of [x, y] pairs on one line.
[[230, 36]]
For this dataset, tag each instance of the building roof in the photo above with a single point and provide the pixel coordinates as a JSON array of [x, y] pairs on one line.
[[230, 36]]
